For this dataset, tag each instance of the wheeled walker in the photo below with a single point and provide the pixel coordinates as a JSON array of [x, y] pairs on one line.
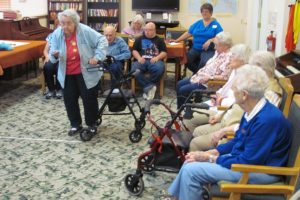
[[168, 145], [117, 103]]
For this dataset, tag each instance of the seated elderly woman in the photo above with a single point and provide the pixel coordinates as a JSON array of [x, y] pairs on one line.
[[207, 136], [216, 68], [262, 139], [136, 26]]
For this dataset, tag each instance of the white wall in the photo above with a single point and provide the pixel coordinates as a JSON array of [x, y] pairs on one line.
[[30, 8], [236, 24]]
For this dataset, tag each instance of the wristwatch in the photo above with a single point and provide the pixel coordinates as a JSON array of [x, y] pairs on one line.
[[211, 158]]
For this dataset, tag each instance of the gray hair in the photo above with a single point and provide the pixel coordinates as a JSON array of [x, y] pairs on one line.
[[224, 38], [252, 79], [241, 52], [265, 60], [70, 13], [138, 18]]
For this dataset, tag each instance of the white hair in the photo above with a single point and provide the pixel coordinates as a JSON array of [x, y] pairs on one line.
[[138, 18], [69, 13], [241, 52], [265, 60], [224, 38], [252, 79]]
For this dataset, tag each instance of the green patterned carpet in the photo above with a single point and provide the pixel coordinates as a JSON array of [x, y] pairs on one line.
[[40, 161]]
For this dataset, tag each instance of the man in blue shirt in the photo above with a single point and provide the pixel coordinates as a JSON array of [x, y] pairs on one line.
[[118, 49], [262, 139]]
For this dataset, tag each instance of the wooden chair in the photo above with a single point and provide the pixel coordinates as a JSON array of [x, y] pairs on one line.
[[281, 190], [161, 82]]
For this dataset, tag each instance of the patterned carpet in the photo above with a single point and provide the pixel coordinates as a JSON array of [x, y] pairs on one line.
[[40, 161]]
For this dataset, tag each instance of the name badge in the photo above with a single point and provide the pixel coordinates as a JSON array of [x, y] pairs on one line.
[[214, 26]]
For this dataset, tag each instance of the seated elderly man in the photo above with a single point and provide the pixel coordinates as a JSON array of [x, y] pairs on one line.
[[149, 51], [117, 48], [262, 139], [216, 68]]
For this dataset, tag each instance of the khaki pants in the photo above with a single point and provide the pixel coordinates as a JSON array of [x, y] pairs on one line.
[[198, 119], [202, 137]]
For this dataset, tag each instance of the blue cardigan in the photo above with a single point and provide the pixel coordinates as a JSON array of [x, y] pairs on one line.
[[264, 140]]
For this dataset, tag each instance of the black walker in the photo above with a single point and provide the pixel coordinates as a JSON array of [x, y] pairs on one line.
[[117, 102]]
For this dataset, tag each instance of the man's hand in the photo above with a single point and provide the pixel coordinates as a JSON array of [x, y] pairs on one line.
[[197, 156], [93, 61], [153, 60], [141, 60], [46, 59]]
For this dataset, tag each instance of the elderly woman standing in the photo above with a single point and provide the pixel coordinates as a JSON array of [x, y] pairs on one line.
[[136, 27], [78, 47], [262, 139], [203, 31], [216, 68]]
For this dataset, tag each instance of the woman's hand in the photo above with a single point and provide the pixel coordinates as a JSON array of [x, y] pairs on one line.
[[197, 156], [206, 44], [214, 119], [93, 61], [217, 136]]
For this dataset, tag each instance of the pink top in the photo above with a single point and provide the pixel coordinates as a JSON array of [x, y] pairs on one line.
[[129, 31], [217, 65]]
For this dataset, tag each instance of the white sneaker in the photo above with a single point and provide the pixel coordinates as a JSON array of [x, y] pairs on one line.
[[116, 91], [151, 93], [145, 96]]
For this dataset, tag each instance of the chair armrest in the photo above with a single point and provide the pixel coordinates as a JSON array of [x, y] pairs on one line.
[[288, 171], [257, 189], [216, 82], [230, 135], [222, 108]]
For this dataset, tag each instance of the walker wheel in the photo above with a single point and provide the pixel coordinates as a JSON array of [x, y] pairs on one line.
[[86, 135], [99, 121], [140, 124], [134, 184], [135, 136], [146, 163]]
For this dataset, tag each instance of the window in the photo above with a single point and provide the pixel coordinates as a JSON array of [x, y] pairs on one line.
[[4, 4]]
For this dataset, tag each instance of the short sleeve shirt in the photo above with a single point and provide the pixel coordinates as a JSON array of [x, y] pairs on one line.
[[149, 47], [203, 33]]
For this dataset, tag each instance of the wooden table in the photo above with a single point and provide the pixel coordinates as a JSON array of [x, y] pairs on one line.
[[21, 54], [178, 52]]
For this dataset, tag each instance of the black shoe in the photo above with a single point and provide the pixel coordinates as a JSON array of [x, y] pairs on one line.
[[88, 133], [74, 130], [50, 94]]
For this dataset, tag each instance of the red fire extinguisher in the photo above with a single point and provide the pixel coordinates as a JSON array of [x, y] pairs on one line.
[[271, 42]]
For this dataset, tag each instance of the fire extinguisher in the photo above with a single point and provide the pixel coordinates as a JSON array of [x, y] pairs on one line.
[[271, 42]]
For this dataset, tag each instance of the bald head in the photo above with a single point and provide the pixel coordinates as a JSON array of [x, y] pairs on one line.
[[110, 33], [150, 30]]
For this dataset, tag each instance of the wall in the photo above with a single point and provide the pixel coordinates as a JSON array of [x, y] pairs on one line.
[[31, 8], [236, 25]]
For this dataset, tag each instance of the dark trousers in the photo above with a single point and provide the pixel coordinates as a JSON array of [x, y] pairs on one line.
[[183, 89], [196, 59], [116, 71], [74, 88], [50, 70]]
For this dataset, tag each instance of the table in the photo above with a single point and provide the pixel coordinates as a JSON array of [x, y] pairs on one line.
[[178, 52], [21, 54]]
